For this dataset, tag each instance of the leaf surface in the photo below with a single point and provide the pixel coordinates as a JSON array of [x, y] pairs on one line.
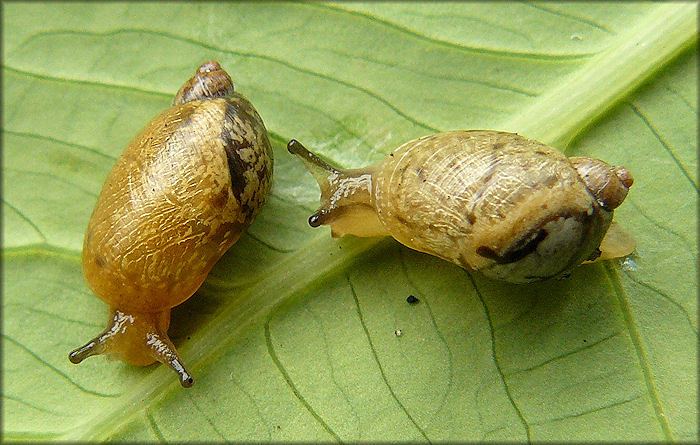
[[297, 336]]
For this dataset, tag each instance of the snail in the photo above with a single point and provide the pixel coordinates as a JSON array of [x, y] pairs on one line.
[[498, 203], [181, 194]]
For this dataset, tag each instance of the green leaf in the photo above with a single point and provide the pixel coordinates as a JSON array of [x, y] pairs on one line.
[[297, 336]]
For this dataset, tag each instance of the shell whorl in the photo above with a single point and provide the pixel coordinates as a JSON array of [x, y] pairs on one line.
[[209, 81], [433, 191], [609, 184]]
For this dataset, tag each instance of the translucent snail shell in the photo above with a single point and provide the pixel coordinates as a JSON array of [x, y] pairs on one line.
[[494, 202], [183, 191]]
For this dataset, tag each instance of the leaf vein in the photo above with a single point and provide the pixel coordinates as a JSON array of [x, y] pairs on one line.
[[562, 356], [470, 18], [659, 225], [32, 406], [205, 416], [572, 17], [462, 48], [497, 362], [253, 403], [379, 363], [288, 379], [59, 141], [664, 144], [54, 369], [450, 357], [53, 177], [42, 249], [435, 75], [272, 59], [27, 219], [690, 105], [339, 122], [663, 295], [154, 427], [268, 245], [584, 413], [329, 363], [635, 336], [50, 314], [95, 83]]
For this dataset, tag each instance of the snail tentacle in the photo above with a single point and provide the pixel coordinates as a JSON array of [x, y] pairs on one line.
[[347, 196], [95, 346]]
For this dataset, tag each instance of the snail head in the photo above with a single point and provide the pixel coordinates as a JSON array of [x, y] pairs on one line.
[[346, 196]]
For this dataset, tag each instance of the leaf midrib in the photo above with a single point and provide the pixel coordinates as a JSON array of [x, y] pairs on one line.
[[607, 79], [315, 261]]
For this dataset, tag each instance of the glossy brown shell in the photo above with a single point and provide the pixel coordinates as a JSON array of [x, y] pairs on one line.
[[179, 196], [509, 207]]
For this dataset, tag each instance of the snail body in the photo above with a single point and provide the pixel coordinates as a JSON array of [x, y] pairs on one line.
[[495, 202], [181, 194]]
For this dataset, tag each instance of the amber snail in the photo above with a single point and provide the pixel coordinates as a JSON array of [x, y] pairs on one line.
[[180, 195], [494, 202]]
